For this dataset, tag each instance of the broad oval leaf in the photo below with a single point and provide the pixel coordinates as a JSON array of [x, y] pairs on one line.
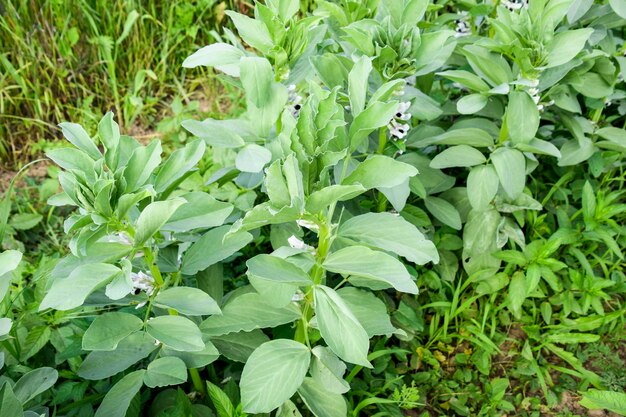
[[117, 400], [222, 56], [187, 300], [522, 117], [71, 292], [369, 310], [165, 371], [391, 233], [201, 212], [103, 364], [217, 133], [328, 370], [34, 383], [272, 374], [380, 171], [364, 262], [215, 245], [154, 216], [510, 166], [107, 330], [252, 158], [75, 133], [472, 103], [339, 327], [248, 312], [458, 156], [482, 186], [179, 333], [320, 401]]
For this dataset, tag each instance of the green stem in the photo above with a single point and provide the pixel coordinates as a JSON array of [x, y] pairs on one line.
[[158, 278], [197, 381], [382, 141]]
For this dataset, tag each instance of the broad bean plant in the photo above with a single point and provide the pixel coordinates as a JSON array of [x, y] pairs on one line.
[[355, 156]]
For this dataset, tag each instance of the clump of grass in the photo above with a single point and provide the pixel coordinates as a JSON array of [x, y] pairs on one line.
[[76, 59]]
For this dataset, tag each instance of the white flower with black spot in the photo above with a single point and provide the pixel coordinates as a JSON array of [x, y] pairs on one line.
[[294, 100], [514, 5], [397, 129], [142, 282]]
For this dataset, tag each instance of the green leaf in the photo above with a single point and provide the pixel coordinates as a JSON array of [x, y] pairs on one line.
[[201, 212], [37, 338], [472, 103], [605, 400], [80, 138], [9, 404], [220, 400], [469, 136], [179, 164], [619, 7], [380, 171], [320, 401], [358, 83], [34, 383], [273, 268], [321, 199], [5, 326], [141, 164], [328, 370], [273, 373], [252, 31], [252, 158], [375, 116], [613, 134], [103, 364], [589, 202], [9, 261], [369, 310], [153, 217], [522, 117], [109, 132], [443, 211], [566, 45], [517, 294], [276, 279], [510, 166], [466, 78], [458, 156], [239, 346], [117, 400], [179, 333], [391, 233], [165, 371], [71, 292], [340, 329], [378, 266], [187, 300], [25, 221], [222, 56], [573, 338], [248, 312], [108, 329], [216, 133], [482, 186], [72, 159], [214, 246], [195, 359]]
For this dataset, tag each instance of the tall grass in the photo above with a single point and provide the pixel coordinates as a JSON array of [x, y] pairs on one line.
[[75, 59]]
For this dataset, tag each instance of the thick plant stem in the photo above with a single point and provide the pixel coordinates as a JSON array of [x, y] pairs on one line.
[[158, 278], [382, 141], [197, 381]]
